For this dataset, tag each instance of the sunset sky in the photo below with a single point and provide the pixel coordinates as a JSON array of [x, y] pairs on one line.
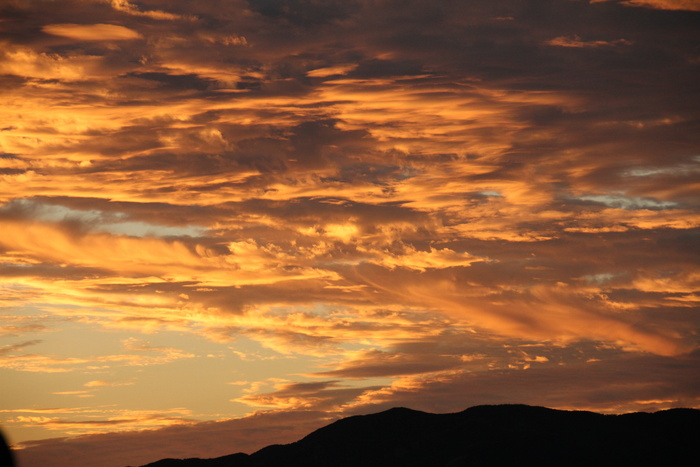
[[225, 223]]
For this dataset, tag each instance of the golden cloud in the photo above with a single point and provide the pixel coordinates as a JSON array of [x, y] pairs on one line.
[[688, 5], [91, 32]]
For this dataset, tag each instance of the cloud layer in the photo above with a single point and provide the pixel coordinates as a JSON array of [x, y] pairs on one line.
[[323, 208]]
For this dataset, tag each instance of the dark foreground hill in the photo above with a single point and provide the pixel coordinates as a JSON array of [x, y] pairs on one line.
[[503, 435]]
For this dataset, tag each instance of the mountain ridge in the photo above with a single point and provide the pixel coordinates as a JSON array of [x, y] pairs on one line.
[[486, 435]]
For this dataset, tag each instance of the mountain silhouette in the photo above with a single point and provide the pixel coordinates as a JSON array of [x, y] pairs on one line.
[[495, 435]]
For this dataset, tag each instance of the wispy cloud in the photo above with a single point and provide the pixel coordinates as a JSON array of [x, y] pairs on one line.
[[91, 32], [575, 41]]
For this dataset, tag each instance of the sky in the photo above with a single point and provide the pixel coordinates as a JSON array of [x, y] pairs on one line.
[[226, 223]]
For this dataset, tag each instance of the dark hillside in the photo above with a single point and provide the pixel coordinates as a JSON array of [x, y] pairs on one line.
[[484, 436]]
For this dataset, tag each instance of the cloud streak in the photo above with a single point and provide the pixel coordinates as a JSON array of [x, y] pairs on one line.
[[91, 32]]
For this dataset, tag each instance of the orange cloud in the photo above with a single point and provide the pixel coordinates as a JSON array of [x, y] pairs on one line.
[[576, 42], [326, 395], [127, 7], [24, 61], [147, 256], [422, 260], [14, 358], [557, 312], [91, 32], [102, 421]]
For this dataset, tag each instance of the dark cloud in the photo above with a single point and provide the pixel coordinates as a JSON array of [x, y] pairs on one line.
[[635, 383], [306, 13], [310, 211], [202, 440], [170, 82], [8, 349]]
